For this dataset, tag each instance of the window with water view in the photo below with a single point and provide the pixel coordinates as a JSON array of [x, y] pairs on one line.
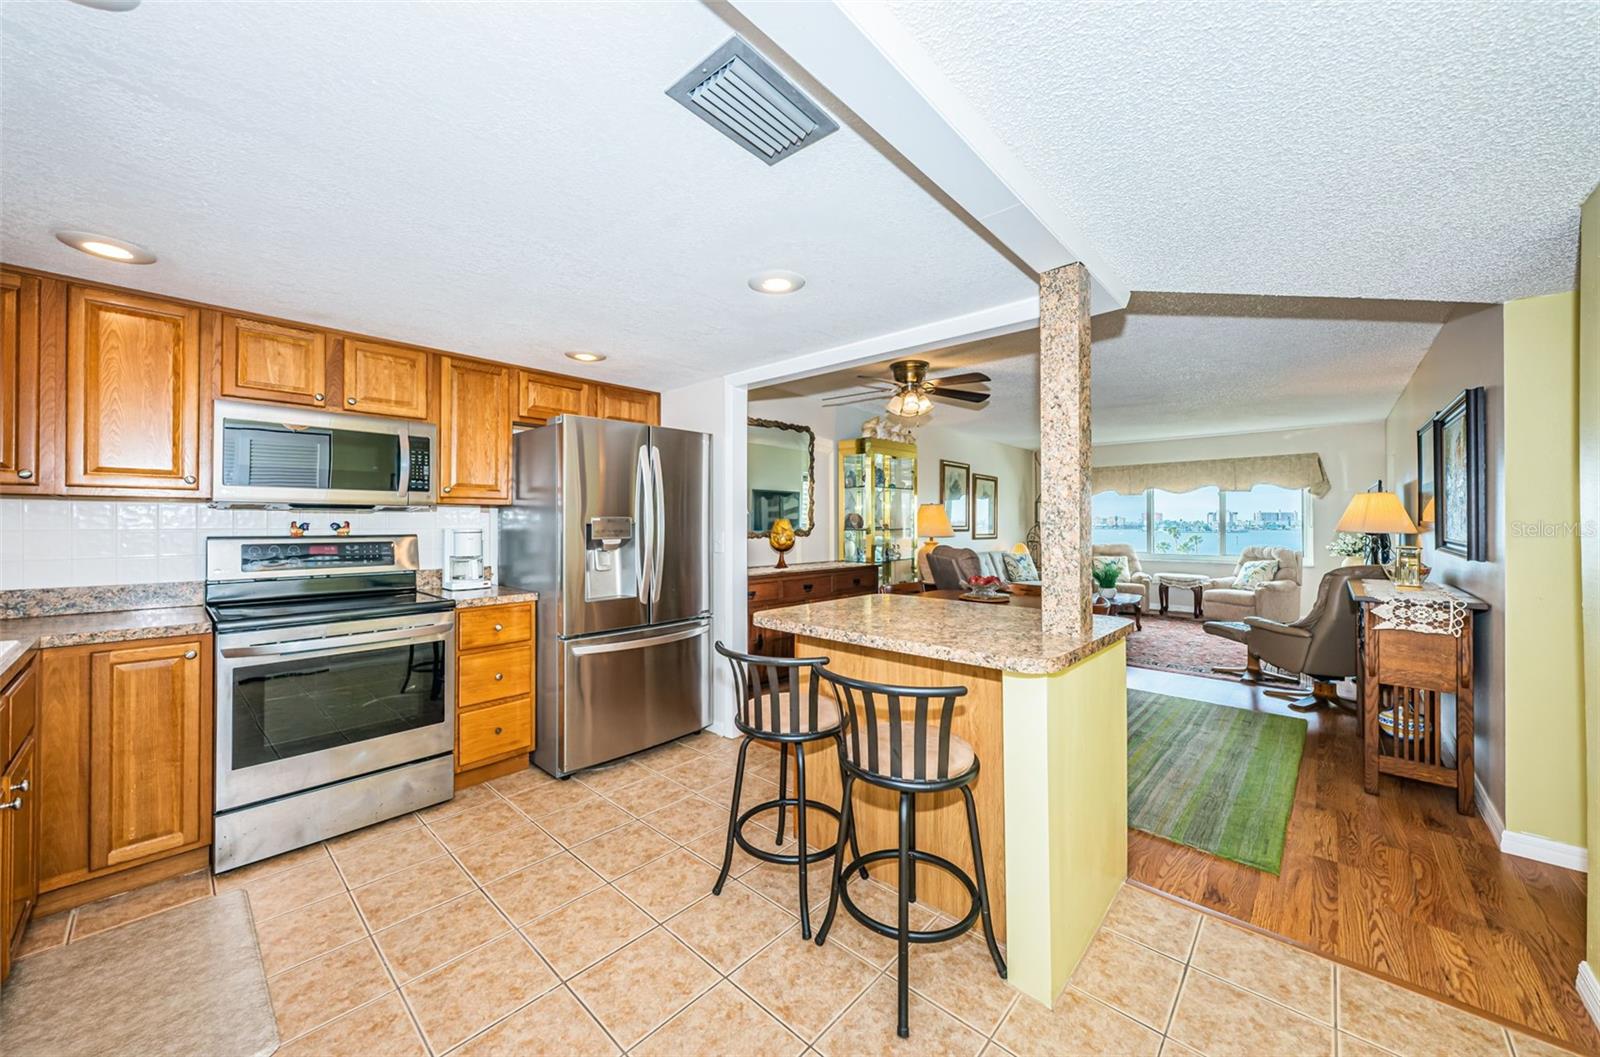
[[1206, 522]]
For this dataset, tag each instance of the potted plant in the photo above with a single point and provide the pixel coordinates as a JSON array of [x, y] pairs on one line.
[[1106, 575], [1350, 546]]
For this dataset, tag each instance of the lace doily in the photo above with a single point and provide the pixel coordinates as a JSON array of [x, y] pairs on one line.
[[1430, 611]]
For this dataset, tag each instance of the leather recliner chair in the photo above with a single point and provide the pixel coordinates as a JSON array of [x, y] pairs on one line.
[[1320, 645]]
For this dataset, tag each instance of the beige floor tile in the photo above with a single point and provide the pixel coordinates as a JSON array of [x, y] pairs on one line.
[[689, 818], [1129, 977], [369, 860], [141, 902], [279, 893], [536, 890], [650, 793], [382, 1028], [315, 992], [539, 799], [1173, 1048], [554, 1024], [574, 825], [995, 1050], [1299, 979], [707, 772], [1221, 1020], [781, 884], [1528, 1046], [45, 933], [710, 743], [710, 845], [308, 932], [754, 791], [727, 929], [869, 1027], [961, 979], [804, 985], [613, 776], [426, 941], [1350, 1046], [584, 931], [508, 850], [673, 754], [620, 850], [457, 1001], [1076, 1024], [880, 902], [668, 884], [517, 782], [1153, 921], [724, 1022], [386, 828], [465, 799], [636, 990], [1410, 1024], [411, 891], [289, 860], [477, 823]]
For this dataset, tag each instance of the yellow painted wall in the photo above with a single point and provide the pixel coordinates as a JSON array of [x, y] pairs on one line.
[[1589, 508], [1545, 757]]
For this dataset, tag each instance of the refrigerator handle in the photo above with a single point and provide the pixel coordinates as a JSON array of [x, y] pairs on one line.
[[644, 504], [658, 543]]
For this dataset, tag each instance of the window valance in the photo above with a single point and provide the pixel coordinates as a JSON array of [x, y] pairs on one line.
[[1303, 470]]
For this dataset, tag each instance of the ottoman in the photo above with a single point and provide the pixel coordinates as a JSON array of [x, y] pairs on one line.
[[1238, 631]]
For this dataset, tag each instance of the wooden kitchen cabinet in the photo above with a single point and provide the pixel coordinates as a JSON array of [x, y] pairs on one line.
[[495, 680], [541, 396], [133, 417], [273, 361], [474, 431], [627, 405], [382, 379], [19, 810], [21, 440]]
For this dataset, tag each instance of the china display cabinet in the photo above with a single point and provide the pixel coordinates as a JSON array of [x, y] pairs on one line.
[[878, 506]]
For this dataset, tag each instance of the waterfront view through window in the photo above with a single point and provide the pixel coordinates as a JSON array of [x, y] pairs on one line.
[[1206, 522]]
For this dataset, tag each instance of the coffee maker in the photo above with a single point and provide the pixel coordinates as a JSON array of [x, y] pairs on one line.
[[463, 559]]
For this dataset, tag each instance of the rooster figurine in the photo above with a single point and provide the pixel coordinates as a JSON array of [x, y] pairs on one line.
[[340, 528], [298, 528]]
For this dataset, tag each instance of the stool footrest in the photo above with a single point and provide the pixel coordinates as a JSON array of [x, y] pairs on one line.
[[779, 857], [893, 931]]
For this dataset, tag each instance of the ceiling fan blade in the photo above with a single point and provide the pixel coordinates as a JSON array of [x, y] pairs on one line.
[[958, 394], [961, 379], [840, 401]]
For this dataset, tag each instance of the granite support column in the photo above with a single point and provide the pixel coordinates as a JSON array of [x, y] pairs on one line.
[[1064, 455]]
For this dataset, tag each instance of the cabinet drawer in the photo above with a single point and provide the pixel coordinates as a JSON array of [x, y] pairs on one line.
[[493, 626], [808, 589], [765, 590], [494, 731], [489, 675], [860, 583]]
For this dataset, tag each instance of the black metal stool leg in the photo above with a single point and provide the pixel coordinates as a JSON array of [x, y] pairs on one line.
[[855, 848], [911, 886], [783, 785], [800, 836], [846, 825], [733, 820], [983, 884], [907, 812]]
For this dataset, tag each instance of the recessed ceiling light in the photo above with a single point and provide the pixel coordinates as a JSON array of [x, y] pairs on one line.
[[585, 357], [106, 247], [776, 282]]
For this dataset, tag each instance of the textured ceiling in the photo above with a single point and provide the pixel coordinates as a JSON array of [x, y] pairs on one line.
[[1190, 365], [501, 179], [1406, 150]]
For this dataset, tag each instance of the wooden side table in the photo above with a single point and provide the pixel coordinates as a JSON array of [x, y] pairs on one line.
[[1404, 677], [1182, 582]]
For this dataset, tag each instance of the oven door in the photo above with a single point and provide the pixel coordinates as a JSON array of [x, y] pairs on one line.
[[298, 708]]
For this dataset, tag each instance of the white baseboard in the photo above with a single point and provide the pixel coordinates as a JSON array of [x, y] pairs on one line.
[[1529, 845], [1589, 991]]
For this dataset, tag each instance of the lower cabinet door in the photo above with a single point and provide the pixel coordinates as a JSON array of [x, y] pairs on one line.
[[19, 849]]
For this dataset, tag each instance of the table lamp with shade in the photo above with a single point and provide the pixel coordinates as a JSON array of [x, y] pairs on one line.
[[1377, 515], [934, 523]]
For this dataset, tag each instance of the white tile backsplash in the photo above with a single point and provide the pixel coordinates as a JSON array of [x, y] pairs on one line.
[[81, 543]]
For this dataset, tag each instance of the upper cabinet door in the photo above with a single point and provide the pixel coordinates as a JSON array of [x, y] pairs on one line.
[[270, 361], [384, 379], [543, 396], [474, 431], [19, 382], [627, 405], [133, 393]]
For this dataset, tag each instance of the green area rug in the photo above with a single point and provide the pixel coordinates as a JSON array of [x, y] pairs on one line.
[[1215, 778]]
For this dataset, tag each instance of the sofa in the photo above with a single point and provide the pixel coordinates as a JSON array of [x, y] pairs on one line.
[[1135, 581], [1276, 599], [950, 567]]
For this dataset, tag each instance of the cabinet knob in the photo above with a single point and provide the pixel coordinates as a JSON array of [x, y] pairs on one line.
[[317, 397], [11, 805], [499, 627], [499, 730], [498, 677], [20, 787], [188, 478], [350, 400], [189, 656], [25, 475], [447, 488]]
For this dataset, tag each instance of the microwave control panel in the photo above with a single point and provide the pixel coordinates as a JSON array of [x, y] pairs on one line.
[[421, 479]]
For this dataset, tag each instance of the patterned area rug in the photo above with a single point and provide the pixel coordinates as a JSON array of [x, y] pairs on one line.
[[1179, 644], [1212, 777]]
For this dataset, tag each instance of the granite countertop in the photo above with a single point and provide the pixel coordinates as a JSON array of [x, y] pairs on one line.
[[1005, 637], [21, 634], [498, 595], [758, 571]]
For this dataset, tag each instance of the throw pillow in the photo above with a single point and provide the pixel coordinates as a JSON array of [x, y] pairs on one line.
[[1253, 574], [1020, 567]]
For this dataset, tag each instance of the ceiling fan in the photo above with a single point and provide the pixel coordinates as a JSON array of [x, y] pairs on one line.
[[912, 392]]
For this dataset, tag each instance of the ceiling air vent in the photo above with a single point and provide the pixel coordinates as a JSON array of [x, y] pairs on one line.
[[741, 95]]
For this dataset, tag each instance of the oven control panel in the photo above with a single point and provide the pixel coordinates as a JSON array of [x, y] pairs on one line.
[[315, 554]]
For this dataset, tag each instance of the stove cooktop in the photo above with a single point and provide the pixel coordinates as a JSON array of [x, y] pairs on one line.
[[323, 609]]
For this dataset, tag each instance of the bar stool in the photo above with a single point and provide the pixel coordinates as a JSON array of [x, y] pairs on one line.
[[899, 738], [769, 710]]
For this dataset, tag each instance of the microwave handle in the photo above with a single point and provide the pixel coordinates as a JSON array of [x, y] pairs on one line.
[[403, 471]]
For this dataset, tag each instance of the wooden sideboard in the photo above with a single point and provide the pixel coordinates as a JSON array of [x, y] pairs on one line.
[[797, 585]]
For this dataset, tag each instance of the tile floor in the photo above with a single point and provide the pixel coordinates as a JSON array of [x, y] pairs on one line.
[[536, 916]]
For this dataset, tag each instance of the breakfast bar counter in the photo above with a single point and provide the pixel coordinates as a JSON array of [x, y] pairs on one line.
[[1046, 716]]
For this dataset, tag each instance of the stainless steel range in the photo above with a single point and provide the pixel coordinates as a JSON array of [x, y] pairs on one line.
[[335, 689]]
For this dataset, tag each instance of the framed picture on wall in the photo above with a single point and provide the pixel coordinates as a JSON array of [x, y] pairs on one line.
[[985, 506], [1423, 511], [955, 493], [1459, 452]]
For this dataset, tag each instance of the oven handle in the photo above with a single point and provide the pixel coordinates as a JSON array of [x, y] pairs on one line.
[[336, 643]]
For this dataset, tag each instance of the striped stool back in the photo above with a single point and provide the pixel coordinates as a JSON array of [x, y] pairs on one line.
[[770, 704], [902, 733]]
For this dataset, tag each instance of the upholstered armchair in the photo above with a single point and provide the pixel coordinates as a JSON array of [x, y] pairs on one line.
[[1320, 645], [1135, 581], [1277, 598]]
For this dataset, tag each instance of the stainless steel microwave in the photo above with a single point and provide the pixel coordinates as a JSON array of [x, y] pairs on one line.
[[270, 455]]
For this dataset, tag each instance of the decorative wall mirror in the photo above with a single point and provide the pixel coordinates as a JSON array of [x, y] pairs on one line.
[[781, 475]]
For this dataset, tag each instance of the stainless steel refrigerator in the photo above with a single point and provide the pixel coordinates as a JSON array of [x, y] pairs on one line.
[[611, 523]]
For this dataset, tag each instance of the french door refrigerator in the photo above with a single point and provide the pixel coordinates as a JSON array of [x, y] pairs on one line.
[[611, 523]]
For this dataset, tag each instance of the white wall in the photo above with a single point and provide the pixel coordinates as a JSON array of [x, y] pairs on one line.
[[1012, 466], [1353, 457], [91, 542]]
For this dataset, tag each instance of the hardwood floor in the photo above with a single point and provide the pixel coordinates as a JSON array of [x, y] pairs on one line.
[[1399, 883]]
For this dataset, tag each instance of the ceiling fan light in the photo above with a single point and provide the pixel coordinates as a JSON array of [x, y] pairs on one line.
[[897, 404], [921, 404]]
